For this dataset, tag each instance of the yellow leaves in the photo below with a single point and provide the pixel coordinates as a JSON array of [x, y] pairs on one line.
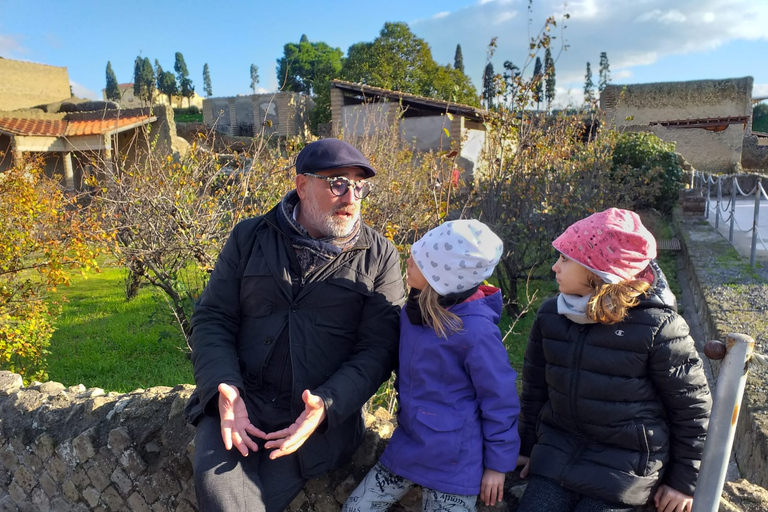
[[447, 133]]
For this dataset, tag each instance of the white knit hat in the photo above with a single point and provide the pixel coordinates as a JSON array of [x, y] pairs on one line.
[[457, 255]]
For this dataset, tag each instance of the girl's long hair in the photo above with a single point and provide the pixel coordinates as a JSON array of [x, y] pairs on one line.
[[436, 316], [610, 303]]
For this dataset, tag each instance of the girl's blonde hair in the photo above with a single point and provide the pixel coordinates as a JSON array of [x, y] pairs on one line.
[[610, 303], [436, 316]]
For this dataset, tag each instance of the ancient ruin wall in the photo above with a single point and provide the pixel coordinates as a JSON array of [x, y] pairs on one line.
[[635, 107], [26, 84]]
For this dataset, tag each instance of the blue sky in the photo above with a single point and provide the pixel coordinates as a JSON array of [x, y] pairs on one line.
[[646, 40]]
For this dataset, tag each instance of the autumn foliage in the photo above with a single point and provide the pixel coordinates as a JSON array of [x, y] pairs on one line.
[[43, 237]]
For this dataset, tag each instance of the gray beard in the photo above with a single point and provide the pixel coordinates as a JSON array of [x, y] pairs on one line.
[[327, 224]]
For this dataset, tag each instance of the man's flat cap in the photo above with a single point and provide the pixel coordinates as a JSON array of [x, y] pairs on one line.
[[325, 154]]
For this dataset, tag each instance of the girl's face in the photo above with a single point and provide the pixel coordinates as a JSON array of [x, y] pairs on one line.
[[572, 278], [413, 275]]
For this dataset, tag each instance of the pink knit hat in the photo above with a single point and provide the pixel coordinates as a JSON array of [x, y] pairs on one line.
[[613, 244]]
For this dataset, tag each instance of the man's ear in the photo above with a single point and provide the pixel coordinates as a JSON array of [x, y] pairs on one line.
[[301, 185]]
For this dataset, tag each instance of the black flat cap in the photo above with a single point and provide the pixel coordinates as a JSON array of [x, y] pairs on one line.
[[325, 154]]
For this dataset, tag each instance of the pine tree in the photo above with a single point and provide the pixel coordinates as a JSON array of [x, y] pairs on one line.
[[589, 86], [489, 88], [207, 81], [549, 73], [458, 59], [538, 78], [138, 64], [511, 72], [113, 88], [304, 38], [255, 76], [605, 72], [148, 80], [185, 84]]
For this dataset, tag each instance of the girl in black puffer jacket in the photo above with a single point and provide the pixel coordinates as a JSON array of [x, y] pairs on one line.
[[615, 403]]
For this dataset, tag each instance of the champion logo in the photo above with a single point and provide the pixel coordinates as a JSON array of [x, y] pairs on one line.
[[619, 332]]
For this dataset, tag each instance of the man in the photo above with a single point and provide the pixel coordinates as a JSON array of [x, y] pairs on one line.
[[296, 329]]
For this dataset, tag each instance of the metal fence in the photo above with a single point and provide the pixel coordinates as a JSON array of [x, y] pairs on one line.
[[725, 209]]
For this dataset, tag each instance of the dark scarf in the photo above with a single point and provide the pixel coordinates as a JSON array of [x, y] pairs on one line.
[[413, 310], [312, 253]]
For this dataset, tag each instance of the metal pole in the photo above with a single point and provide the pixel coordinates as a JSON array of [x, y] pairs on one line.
[[734, 184], [755, 220], [722, 423], [709, 191], [719, 200]]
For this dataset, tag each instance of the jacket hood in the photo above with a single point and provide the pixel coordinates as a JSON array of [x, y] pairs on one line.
[[660, 295], [488, 306]]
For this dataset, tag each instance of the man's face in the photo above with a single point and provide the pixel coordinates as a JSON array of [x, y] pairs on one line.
[[322, 213]]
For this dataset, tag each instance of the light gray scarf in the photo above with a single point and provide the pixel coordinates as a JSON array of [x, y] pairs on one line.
[[574, 308]]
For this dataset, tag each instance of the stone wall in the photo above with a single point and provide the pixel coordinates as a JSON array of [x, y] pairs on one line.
[[26, 84], [77, 449], [634, 107]]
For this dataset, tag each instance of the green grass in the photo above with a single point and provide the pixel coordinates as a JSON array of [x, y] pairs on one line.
[[102, 340]]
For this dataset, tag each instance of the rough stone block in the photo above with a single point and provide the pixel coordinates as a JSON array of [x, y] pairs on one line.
[[99, 479], [83, 446], [40, 499], [166, 484], [8, 457], [48, 485], [132, 462], [91, 495], [67, 453], [185, 506], [119, 440], [44, 446], [51, 388], [147, 489], [106, 460], [57, 468], [137, 504], [59, 504], [298, 501], [70, 491], [10, 383], [16, 492], [32, 461], [122, 481], [24, 478], [112, 498]]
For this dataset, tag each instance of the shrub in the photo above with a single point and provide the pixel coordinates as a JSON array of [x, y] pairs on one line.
[[646, 172], [42, 236]]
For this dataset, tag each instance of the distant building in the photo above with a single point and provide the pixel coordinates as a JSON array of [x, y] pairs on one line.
[[39, 117], [129, 100], [284, 114], [707, 119], [426, 123]]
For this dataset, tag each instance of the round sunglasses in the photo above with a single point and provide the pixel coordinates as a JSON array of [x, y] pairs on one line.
[[340, 185]]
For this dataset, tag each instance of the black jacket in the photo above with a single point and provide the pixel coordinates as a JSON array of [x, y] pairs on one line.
[[340, 325], [613, 411]]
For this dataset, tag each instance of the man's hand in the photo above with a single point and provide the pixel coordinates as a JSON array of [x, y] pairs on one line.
[[668, 499], [524, 461], [235, 425], [492, 487], [288, 440]]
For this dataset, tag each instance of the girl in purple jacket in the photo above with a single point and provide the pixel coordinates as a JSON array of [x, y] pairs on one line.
[[457, 421]]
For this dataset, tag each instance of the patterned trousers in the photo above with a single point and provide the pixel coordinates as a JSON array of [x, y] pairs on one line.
[[381, 488]]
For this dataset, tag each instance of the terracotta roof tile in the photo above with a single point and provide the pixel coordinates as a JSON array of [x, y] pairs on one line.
[[71, 128]]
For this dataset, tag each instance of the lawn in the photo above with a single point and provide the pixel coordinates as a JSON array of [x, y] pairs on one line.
[[102, 340]]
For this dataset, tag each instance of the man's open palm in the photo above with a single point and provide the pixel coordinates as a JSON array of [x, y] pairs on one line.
[[235, 425], [288, 440]]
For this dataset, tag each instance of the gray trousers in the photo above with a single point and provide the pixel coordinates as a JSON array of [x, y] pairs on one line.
[[227, 481], [381, 488]]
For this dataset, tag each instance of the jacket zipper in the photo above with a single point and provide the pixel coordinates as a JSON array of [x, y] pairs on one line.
[[575, 374]]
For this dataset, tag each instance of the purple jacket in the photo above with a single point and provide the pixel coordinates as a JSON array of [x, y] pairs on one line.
[[458, 402]]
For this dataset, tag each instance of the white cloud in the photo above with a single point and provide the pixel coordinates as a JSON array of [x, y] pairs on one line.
[[635, 34], [83, 92], [759, 90], [442, 14]]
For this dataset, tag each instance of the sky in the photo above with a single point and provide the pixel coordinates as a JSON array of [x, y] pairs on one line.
[[645, 40]]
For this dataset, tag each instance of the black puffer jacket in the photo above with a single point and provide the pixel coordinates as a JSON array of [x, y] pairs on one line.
[[613, 411], [339, 326]]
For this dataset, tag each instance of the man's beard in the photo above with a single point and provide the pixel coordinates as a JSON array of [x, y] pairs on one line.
[[327, 223]]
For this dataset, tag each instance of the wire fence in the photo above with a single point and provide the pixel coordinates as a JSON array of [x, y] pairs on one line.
[[725, 209]]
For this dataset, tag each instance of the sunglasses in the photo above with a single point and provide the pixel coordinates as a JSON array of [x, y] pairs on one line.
[[340, 185]]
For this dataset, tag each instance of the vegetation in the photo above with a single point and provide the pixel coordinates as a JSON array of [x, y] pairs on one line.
[[186, 89], [589, 86], [254, 77], [760, 118], [604, 73], [112, 89], [43, 234], [207, 88]]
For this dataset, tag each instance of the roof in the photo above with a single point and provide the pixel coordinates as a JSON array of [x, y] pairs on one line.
[[75, 125], [704, 122], [412, 100]]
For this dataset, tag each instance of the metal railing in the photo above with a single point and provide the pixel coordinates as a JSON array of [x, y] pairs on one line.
[[703, 180], [737, 353]]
